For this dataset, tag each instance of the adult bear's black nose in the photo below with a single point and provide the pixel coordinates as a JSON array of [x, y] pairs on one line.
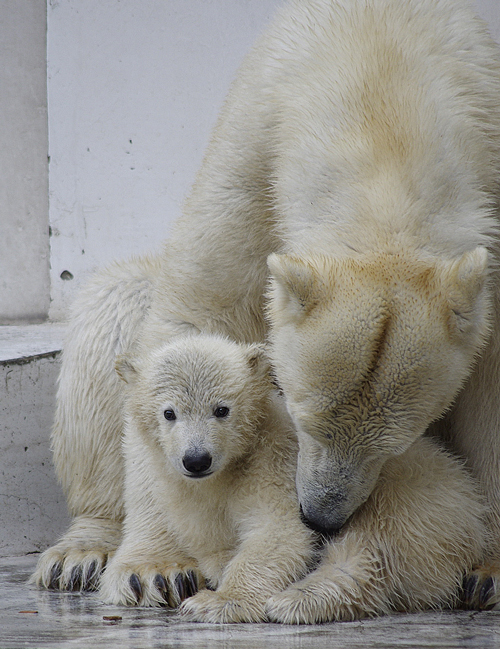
[[197, 463], [327, 532]]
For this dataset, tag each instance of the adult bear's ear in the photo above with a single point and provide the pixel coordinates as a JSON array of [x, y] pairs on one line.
[[465, 281], [125, 369], [470, 272], [295, 288]]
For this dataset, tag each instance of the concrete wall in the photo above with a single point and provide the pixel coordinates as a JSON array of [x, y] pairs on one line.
[[32, 507], [134, 90], [24, 231]]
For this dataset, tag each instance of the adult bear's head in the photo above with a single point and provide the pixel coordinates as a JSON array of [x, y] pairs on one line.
[[369, 351]]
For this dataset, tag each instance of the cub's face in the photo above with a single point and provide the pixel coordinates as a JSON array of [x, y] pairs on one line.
[[200, 398], [369, 352]]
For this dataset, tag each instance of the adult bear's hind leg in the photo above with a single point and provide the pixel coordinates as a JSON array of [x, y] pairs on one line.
[[473, 431], [86, 438]]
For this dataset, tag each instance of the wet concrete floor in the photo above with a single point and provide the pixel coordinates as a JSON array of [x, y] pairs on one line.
[[34, 618]]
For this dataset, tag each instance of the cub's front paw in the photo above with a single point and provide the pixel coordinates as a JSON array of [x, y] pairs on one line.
[[218, 608], [481, 587], [149, 585]]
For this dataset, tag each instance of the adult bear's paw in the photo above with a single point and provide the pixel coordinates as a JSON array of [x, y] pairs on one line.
[[62, 568], [76, 562], [318, 598], [219, 608], [149, 584], [481, 587]]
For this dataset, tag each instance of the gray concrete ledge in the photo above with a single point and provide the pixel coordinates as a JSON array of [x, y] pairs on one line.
[[22, 343], [32, 507]]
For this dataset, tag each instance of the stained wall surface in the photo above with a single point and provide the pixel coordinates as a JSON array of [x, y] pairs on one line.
[[33, 511], [134, 90]]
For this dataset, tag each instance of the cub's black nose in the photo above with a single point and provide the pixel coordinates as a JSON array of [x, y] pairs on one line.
[[197, 463]]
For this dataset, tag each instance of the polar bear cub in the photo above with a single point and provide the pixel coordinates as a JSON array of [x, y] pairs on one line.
[[209, 490], [210, 461]]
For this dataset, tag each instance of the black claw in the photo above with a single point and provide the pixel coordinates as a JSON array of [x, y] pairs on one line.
[[180, 587], [135, 585], [469, 587], [161, 583], [90, 577], [191, 583], [75, 580], [55, 573], [161, 586], [487, 590]]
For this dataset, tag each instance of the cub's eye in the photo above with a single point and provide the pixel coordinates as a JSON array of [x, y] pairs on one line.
[[170, 415], [221, 411]]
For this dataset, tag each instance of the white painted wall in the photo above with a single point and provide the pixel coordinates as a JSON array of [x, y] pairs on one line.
[[134, 90], [489, 10]]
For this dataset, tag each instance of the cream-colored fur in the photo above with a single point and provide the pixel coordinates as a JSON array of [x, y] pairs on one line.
[[405, 549], [234, 521], [207, 496], [369, 351], [361, 137]]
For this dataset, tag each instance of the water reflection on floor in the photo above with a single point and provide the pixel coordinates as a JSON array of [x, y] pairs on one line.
[[42, 619]]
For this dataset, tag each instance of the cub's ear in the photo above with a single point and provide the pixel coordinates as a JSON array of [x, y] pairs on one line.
[[467, 279], [257, 358], [125, 370], [295, 288]]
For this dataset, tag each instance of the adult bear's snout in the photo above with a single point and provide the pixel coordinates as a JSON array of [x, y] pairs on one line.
[[320, 524]]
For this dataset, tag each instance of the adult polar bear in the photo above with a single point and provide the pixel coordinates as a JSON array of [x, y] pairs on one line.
[[361, 143]]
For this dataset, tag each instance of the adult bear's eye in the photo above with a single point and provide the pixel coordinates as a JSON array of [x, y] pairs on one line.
[[221, 411], [170, 415]]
